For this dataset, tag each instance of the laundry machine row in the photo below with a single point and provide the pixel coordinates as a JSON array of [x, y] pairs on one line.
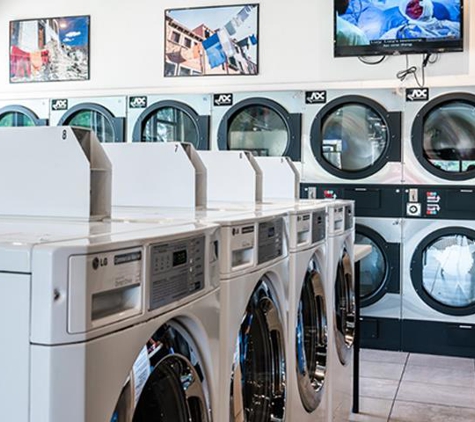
[[379, 212]]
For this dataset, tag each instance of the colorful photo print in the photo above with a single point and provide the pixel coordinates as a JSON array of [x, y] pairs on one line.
[[212, 41], [49, 49]]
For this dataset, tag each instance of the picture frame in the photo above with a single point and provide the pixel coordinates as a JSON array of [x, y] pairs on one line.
[[50, 49], [212, 41]]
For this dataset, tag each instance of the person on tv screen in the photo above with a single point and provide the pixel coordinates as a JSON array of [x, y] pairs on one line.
[[346, 32], [420, 23]]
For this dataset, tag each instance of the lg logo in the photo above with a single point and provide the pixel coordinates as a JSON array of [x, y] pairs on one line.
[[99, 262], [316, 97], [223, 99], [417, 94], [59, 104], [137, 102]]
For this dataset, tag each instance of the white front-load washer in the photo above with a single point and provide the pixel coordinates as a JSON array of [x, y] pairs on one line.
[[253, 257], [340, 274], [109, 322], [307, 350]]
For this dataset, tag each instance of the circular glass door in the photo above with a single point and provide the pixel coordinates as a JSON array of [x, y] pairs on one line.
[[344, 307], [354, 138], [94, 120], [443, 271], [449, 138], [169, 124], [373, 270], [259, 129], [311, 339], [15, 119], [166, 383], [258, 374]]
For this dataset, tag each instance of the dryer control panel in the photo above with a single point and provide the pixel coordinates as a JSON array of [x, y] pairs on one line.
[[177, 270], [440, 202]]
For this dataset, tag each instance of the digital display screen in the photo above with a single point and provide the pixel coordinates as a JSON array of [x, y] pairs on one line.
[[271, 232], [380, 27], [179, 257]]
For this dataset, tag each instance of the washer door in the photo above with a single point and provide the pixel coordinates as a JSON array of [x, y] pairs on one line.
[[311, 339], [443, 136], [354, 137], [172, 121], [379, 271], [344, 326], [258, 375], [443, 270], [167, 382], [14, 116], [261, 126], [99, 119]]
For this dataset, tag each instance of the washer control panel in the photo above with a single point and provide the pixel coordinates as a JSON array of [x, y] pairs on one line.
[[319, 227], [177, 270], [270, 240]]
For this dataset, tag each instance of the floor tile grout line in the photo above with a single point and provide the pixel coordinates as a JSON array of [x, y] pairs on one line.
[[397, 389]]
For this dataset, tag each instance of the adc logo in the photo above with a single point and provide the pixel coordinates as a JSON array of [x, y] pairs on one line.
[[315, 97], [417, 94], [61, 104], [223, 99], [137, 102]]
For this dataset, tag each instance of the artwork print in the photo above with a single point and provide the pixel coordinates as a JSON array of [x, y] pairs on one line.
[[49, 49]]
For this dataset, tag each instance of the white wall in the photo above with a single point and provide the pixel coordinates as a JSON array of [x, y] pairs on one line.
[[296, 50]]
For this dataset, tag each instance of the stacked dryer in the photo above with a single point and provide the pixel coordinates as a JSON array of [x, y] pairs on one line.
[[439, 233], [24, 113], [352, 150]]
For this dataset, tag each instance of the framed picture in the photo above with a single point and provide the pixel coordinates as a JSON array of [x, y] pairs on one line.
[[49, 49], [210, 41]]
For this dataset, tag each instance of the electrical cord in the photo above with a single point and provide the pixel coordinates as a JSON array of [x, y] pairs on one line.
[[412, 70], [362, 59]]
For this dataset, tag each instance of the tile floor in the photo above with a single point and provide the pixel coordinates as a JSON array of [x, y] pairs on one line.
[[403, 387]]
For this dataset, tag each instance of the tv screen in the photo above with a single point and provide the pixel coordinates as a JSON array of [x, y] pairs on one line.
[[380, 27]]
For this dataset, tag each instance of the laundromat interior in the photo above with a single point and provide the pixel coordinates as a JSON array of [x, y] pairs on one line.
[[237, 212]]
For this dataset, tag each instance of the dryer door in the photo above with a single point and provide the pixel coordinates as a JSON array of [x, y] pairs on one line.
[[96, 117], [442, 136], [261, 126], [258, 374], [379, 271], [15, 115], [167, 382], [443, 270], [172, 121], [354, 137], [344, 296], [311, 335]]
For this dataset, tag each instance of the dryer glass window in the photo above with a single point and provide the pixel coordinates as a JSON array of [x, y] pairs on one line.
[[372, 268], [14, 118], [258, 373], [260, 130], [170, 124], [91, 119], [449, 270], [311, 339], [449, 133], [354, 137]]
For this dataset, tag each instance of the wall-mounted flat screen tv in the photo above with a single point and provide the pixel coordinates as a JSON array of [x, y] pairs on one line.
[[380, 27]]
